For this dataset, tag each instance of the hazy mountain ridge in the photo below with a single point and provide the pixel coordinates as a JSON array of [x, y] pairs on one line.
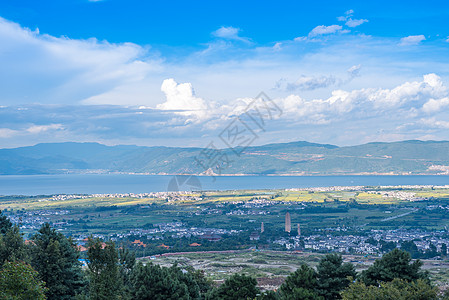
[[296, 158]]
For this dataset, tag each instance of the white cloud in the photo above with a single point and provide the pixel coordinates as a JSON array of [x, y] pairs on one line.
[[355, 22], [408, 96], [347, 15], [434, 105], [181, 98], [49, 69], [277, 46], [354, 71], [31, 130], [7, 133], [310, 83], [38, 68], [323, 30], [42, 128], [434, 123], [230, 33], [306, 83], [412, 40]]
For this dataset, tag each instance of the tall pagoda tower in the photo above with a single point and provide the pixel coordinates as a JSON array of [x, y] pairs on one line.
[[299, 230], [288, 223], [262, 229]]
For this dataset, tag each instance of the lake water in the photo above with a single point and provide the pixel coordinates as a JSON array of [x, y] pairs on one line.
[[121, 183]]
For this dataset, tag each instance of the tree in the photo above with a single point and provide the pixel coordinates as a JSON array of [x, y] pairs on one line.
[[55, 258], [12, 246], [395, 264], [411, 248], [5, 223], [397, 289], [155, 282], [237, 287], [20, 281], [333, 275], [127, 261], [443, 249], [302, 284], [387, 246], [105, 282]]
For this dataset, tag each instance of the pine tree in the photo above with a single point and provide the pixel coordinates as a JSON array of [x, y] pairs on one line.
[[12, 246], [55, 257], [333, 275], [397, 289], [20, 281], [237, 287], [5, 223], [105, 282], [395, 264], [157, 283], [302, 284]]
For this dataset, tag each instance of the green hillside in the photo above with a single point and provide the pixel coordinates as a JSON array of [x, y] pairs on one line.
[[297, 158]]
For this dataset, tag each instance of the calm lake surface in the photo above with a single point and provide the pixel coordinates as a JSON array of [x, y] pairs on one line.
[[121, 183]]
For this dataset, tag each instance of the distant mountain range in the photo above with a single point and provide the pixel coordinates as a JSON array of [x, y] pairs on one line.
[[297, 158]]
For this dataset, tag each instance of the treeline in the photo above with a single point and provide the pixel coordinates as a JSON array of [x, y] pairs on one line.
[[410, 247], [48, 267]]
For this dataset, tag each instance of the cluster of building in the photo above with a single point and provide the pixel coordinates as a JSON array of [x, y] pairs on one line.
[[34, 219], [401, 195], [363, 244]]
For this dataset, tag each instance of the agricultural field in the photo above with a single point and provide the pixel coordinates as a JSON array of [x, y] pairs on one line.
[[352, 210]]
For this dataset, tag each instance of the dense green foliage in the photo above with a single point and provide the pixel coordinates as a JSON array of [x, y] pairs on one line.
[[19, 281], [333, 275], [302, 284], [55, 258], [105, 282], [237, 287], [397, 289], [395, 264], [12, 246], [5, 223], [156, 282]]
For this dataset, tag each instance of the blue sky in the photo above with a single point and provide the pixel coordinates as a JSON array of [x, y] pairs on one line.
[[176, 73]]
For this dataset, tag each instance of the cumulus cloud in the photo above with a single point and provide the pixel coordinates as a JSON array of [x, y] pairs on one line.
[[412, 40], [7, 132], [353, 114], [434, 123], [38, 68], [347, 15], [43, 128], [355, 22], [323, 30], [409, 96], [49, 69], [434, 105], [230, 33], [33, 130], [349, 21], [306, 83], [354, 71], [181, 98], [310, 83]]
